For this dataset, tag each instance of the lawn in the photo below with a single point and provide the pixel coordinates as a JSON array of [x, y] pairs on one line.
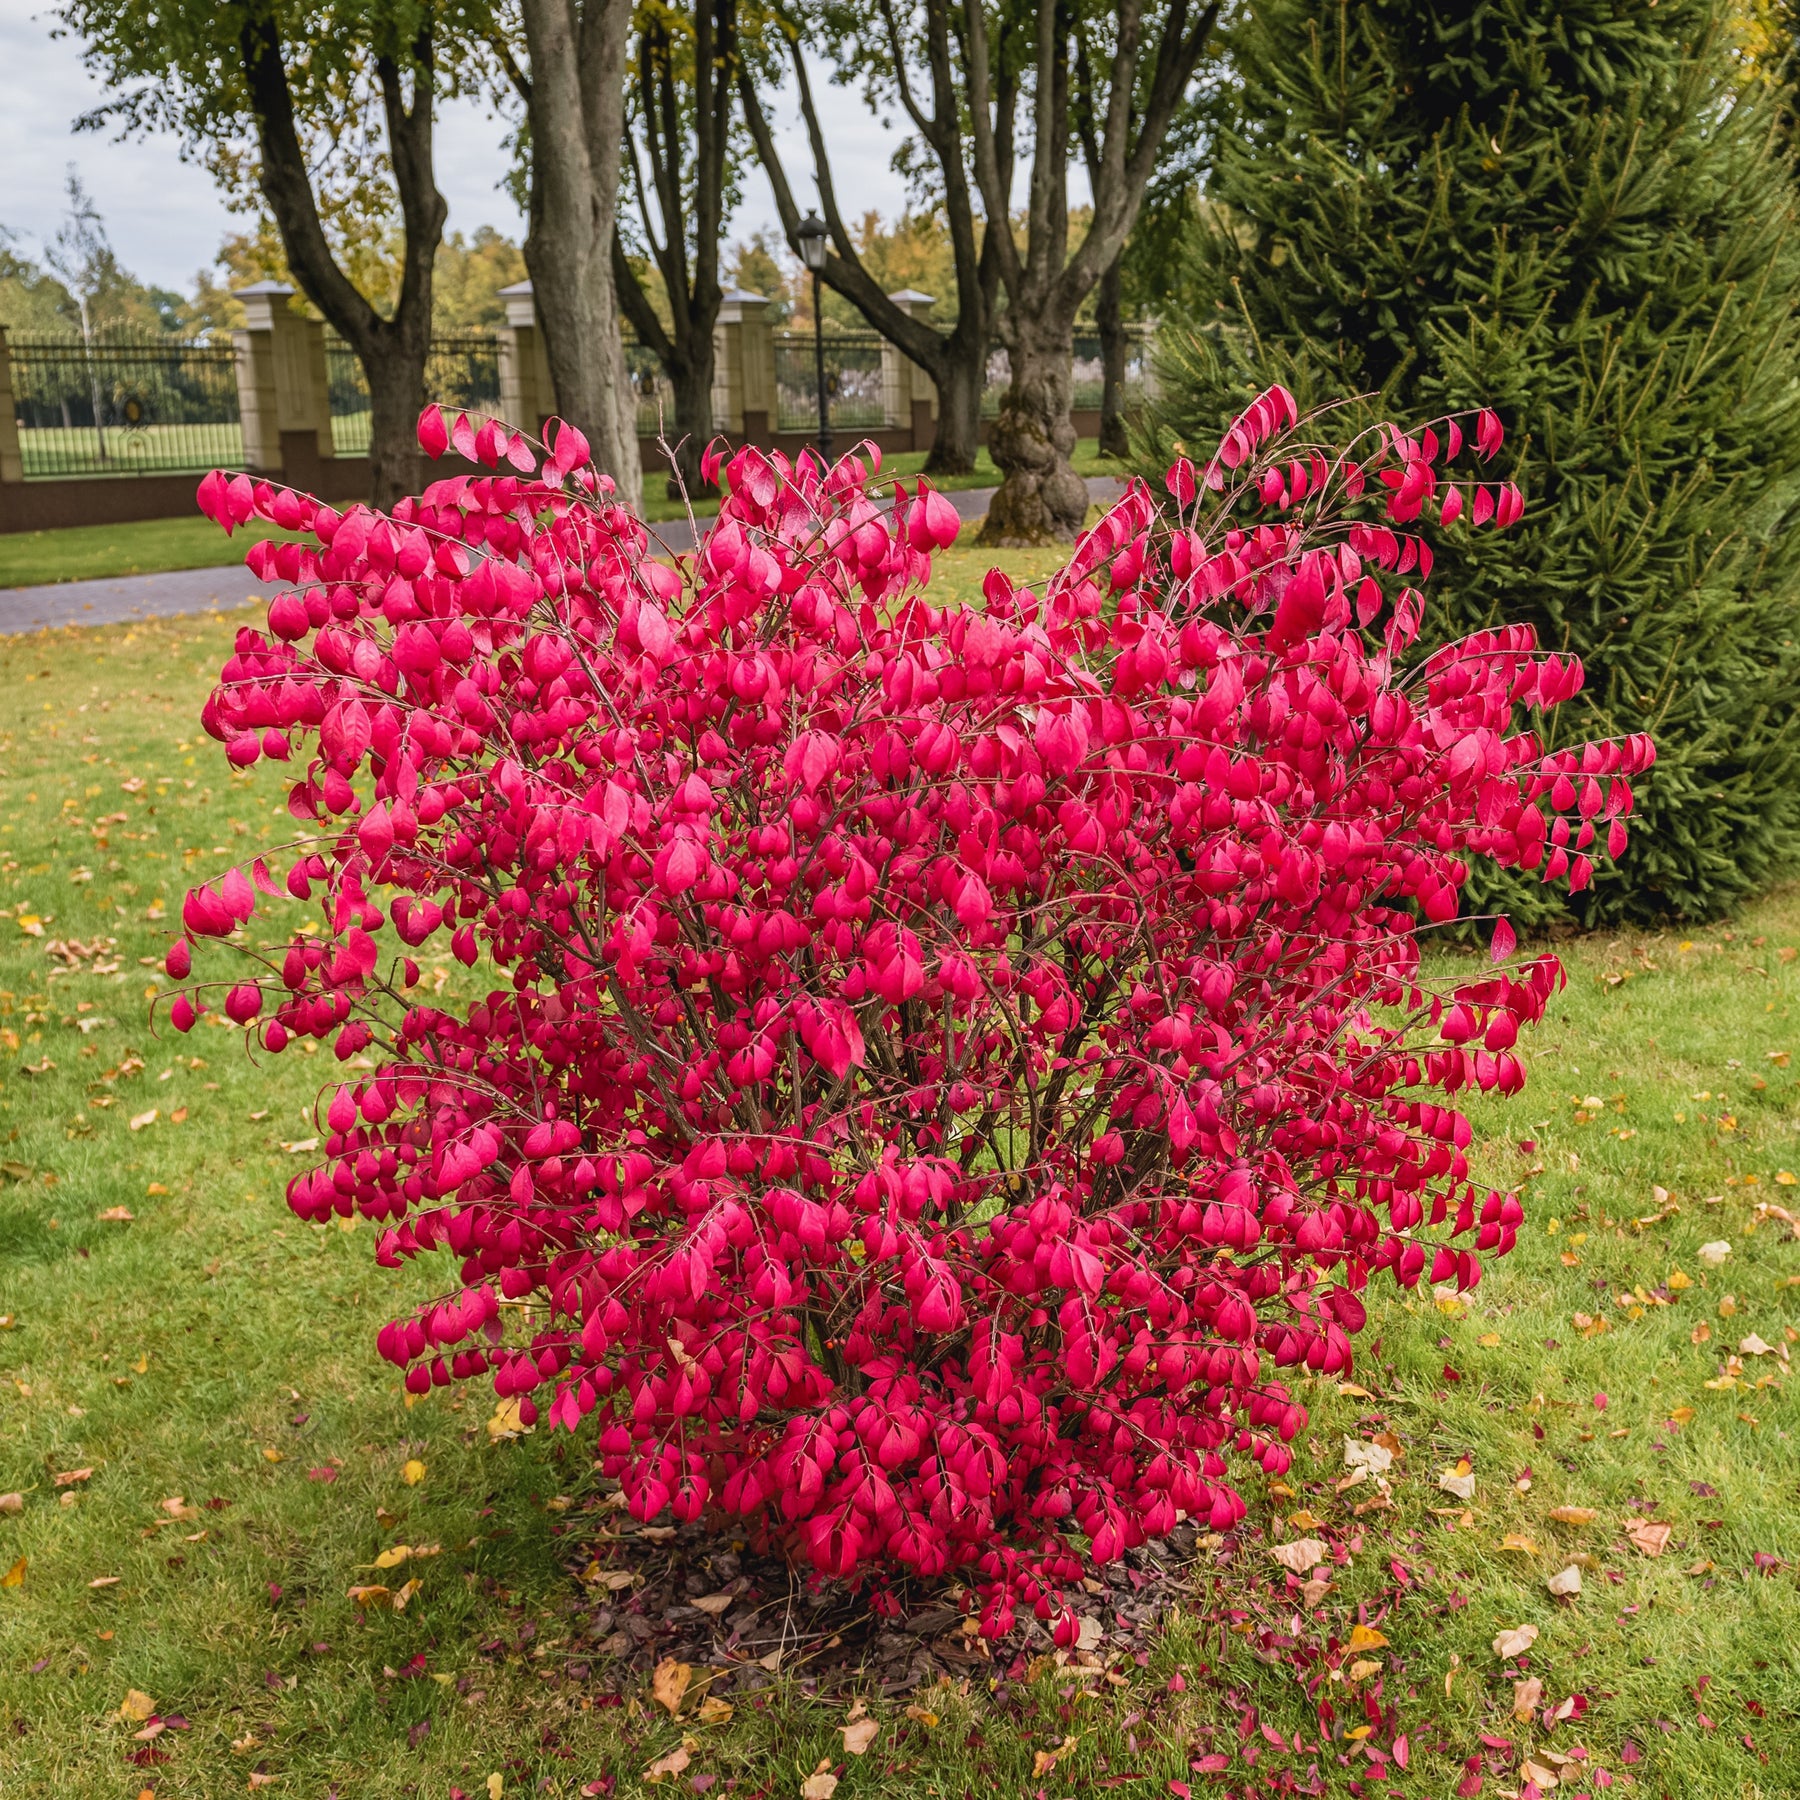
[[90, 552], [209, 1456]]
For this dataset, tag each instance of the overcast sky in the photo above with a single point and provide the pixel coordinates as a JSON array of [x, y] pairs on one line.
[[166, 220]]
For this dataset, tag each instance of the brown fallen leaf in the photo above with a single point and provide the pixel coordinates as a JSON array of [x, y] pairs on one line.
[[672, 1764], [1301, 1556], [1648, 1536], [259, 1780], [714, 1711], [12, 1503], [1565, 1581], [713, 1604], [101, 1581], [1515, 1642], [1574, 1515], [859, 1734], [669, 1684], [371, 1594], [404, 1594], [1536, 1771], [1046, 1760], [116, 1215], [821, 1784], [924, 1715], [69, 1477], [1526, 1695], [1362, 1669]]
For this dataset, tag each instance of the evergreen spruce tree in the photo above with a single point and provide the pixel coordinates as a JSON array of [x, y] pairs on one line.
[[1580, 212]]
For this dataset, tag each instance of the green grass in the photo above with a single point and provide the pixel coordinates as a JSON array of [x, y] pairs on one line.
[[90, 552], [214, 1348]]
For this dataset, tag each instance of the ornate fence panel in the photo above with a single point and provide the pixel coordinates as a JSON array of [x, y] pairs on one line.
[[125, 403], [855, 386], [463, 372]]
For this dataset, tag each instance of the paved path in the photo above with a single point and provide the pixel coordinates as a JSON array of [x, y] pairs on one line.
[[119, 599]]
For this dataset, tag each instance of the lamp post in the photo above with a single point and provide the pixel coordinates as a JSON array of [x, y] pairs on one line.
[[811, 237]]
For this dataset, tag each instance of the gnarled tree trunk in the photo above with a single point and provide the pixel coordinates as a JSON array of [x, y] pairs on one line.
[[1041, 499]]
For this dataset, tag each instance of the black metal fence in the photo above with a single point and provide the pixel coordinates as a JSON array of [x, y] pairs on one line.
[[125, 403], [855, 386], [462, 372]]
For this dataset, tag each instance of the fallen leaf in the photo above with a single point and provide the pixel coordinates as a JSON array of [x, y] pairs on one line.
[[1678, 1281], [15, 1576], [136, 1706], [672, 1764], [1515, 1642], [821, 1784], [260, 1780], [1459, 1481], [1534, 1771], [273, 1456], [371, 1594], [1574, 1515], [12, 1503], [1526, 1695], [1302, 1555], [69, 1477], [1517, 1540], [1754, 1346], [1715, 1253], [1489, 1340], [859, 1735], [140, 1120], [116, 1215], [1365, 1637], [714, 1711], [1376, 1458], [1650, 1538], [413, 1473], [507, 1421], [1362, 1670], [1046, 1760], [404, 1594], [1701, 1333], [1565, 1581], [669, 1684], [101, 1581], [713, 1604], [924, 1715]]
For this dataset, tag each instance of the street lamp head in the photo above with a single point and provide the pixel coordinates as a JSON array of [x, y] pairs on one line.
[[811, 237]]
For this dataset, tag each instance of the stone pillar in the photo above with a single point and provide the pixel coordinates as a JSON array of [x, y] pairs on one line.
[[284, 396], [527, 398], [744, 369], [12, 463], [911, 395]]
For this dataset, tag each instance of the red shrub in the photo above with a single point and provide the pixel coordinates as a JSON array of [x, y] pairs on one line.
[[946, 1062]]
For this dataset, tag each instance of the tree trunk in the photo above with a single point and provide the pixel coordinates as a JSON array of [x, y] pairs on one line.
[[577, 112], [1108, 310], [1041, 499], [396, 398], [960, 379], [692, 380]]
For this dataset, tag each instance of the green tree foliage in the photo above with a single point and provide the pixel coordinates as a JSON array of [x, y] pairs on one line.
[[1578, 211]]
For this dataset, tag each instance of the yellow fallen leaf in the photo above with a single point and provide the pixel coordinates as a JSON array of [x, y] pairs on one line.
[[136, 1706], [31, 924], [1517, 1540], [273, 1456], [496, 1786], [403, 1594], [1351, 1391], [413, 1473], [1574, 1515], [142, 1365], [1681, 1415], [859, 1734], [669, 1684], [714, 1711], [15, 1576], [371, 1594], [392, 1558], [1677, 1281], [1366, 1637], [1489, 1340], [507, 1421], [924, 1715], [1046, 1760]]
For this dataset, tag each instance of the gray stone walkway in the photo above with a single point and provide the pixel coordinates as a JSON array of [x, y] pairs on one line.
[[119, 599]]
